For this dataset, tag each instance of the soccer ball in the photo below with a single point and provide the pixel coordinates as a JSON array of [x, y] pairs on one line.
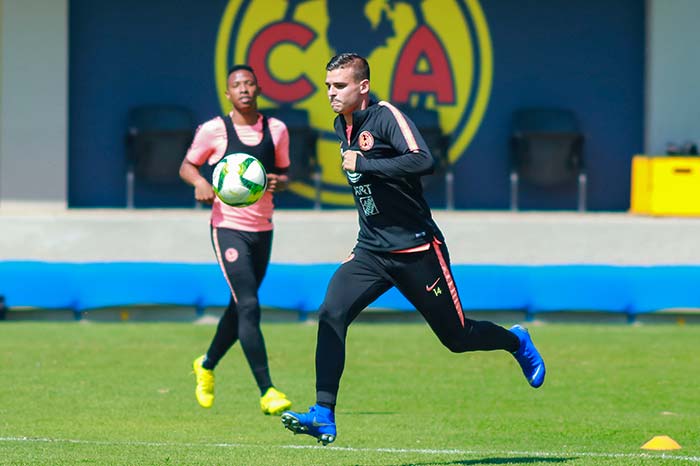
[[239, 180]]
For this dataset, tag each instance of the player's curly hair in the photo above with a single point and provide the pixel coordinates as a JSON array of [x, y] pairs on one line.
[[353, 60]]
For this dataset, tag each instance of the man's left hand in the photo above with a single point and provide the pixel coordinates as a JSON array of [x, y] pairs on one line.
[[276, 183]]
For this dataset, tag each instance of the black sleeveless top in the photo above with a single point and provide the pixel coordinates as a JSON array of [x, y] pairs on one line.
[[264, 151]]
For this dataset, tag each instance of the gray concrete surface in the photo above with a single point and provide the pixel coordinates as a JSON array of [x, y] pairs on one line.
[[86, 235]]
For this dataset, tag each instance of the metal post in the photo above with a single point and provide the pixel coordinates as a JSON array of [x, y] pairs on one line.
[[130, 188], [317, 186], [582, 182], [449, 188], [513, 191]]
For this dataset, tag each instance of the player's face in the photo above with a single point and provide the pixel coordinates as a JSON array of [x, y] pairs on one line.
[[344, 93], [242, 90]]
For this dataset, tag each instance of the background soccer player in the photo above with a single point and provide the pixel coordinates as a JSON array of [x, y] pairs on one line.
[[399, 244], [241, 237]]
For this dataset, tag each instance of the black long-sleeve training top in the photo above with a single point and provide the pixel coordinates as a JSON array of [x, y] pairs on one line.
[[393, 213]]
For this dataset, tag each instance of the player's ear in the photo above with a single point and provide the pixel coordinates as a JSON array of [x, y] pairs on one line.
[[364, 86]]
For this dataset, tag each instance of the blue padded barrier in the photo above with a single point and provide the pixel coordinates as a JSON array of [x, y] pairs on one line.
[[38, 284], [664, 287], [492, 287], [213, 289], [301, 287], [579, 288], [127, 284]]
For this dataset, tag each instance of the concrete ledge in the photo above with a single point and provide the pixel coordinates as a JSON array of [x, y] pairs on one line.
[[89, 235]]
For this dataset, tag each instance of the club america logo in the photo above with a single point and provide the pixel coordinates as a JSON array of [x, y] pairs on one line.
[[366, 140], [425, 58]]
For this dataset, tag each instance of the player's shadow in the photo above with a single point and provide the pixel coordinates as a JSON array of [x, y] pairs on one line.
[[370, 413], [485, 461]]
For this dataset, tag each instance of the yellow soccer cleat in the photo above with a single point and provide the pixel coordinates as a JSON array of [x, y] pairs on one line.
[[205, 384], [274, 402]]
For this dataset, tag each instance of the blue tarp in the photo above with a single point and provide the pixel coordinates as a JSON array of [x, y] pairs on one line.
[[301, 287]]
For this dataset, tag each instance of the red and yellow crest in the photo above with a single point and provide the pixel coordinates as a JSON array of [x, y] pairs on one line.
[[432, 56]]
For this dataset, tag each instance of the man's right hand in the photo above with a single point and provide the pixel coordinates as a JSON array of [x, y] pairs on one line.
[[203, 192], [350, 160]]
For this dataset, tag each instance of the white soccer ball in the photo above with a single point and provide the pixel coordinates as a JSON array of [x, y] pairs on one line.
[[239, 180]]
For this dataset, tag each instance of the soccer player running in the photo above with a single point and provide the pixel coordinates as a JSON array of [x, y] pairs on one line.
[[399, 244], [241, 237]]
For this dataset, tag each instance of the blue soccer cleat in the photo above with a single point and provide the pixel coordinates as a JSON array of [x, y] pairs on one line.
[[319, 422], [528, 357]]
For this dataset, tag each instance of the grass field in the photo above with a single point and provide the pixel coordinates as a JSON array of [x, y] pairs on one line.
[[122, 393]]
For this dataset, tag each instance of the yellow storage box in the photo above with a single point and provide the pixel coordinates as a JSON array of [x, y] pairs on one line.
[[665, 185]]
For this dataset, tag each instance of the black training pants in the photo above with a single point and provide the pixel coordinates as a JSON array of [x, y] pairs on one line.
[[243, 257], [425, 279]]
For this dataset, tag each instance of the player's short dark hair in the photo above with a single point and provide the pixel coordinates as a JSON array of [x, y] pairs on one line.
[[356, 62], [235, 68]]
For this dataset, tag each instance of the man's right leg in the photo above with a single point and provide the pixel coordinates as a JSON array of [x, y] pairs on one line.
[[223, 240], [224, 338], [356, 284]]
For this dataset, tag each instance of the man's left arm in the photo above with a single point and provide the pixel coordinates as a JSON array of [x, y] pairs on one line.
[[278, 180]]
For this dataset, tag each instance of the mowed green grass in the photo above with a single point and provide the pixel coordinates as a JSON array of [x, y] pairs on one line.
[[122, 393]]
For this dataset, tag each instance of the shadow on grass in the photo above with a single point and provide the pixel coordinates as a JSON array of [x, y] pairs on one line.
[[511, 460], [370, 413]]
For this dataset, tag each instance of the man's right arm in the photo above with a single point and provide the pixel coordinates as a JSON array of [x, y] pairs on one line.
[[197, 155], [203, 192]]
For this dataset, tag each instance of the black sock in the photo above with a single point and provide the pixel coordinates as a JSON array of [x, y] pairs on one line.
[[264, 389], [327, 405], [207, 364]]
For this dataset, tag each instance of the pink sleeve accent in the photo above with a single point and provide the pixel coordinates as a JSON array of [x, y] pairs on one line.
[[403, 125], [449, 280], [209, 143]]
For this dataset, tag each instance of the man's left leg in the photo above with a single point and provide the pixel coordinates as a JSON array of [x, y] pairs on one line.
[[355, 285], [425, 278]]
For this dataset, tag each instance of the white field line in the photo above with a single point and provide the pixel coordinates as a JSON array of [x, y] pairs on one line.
[[425, 451]]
